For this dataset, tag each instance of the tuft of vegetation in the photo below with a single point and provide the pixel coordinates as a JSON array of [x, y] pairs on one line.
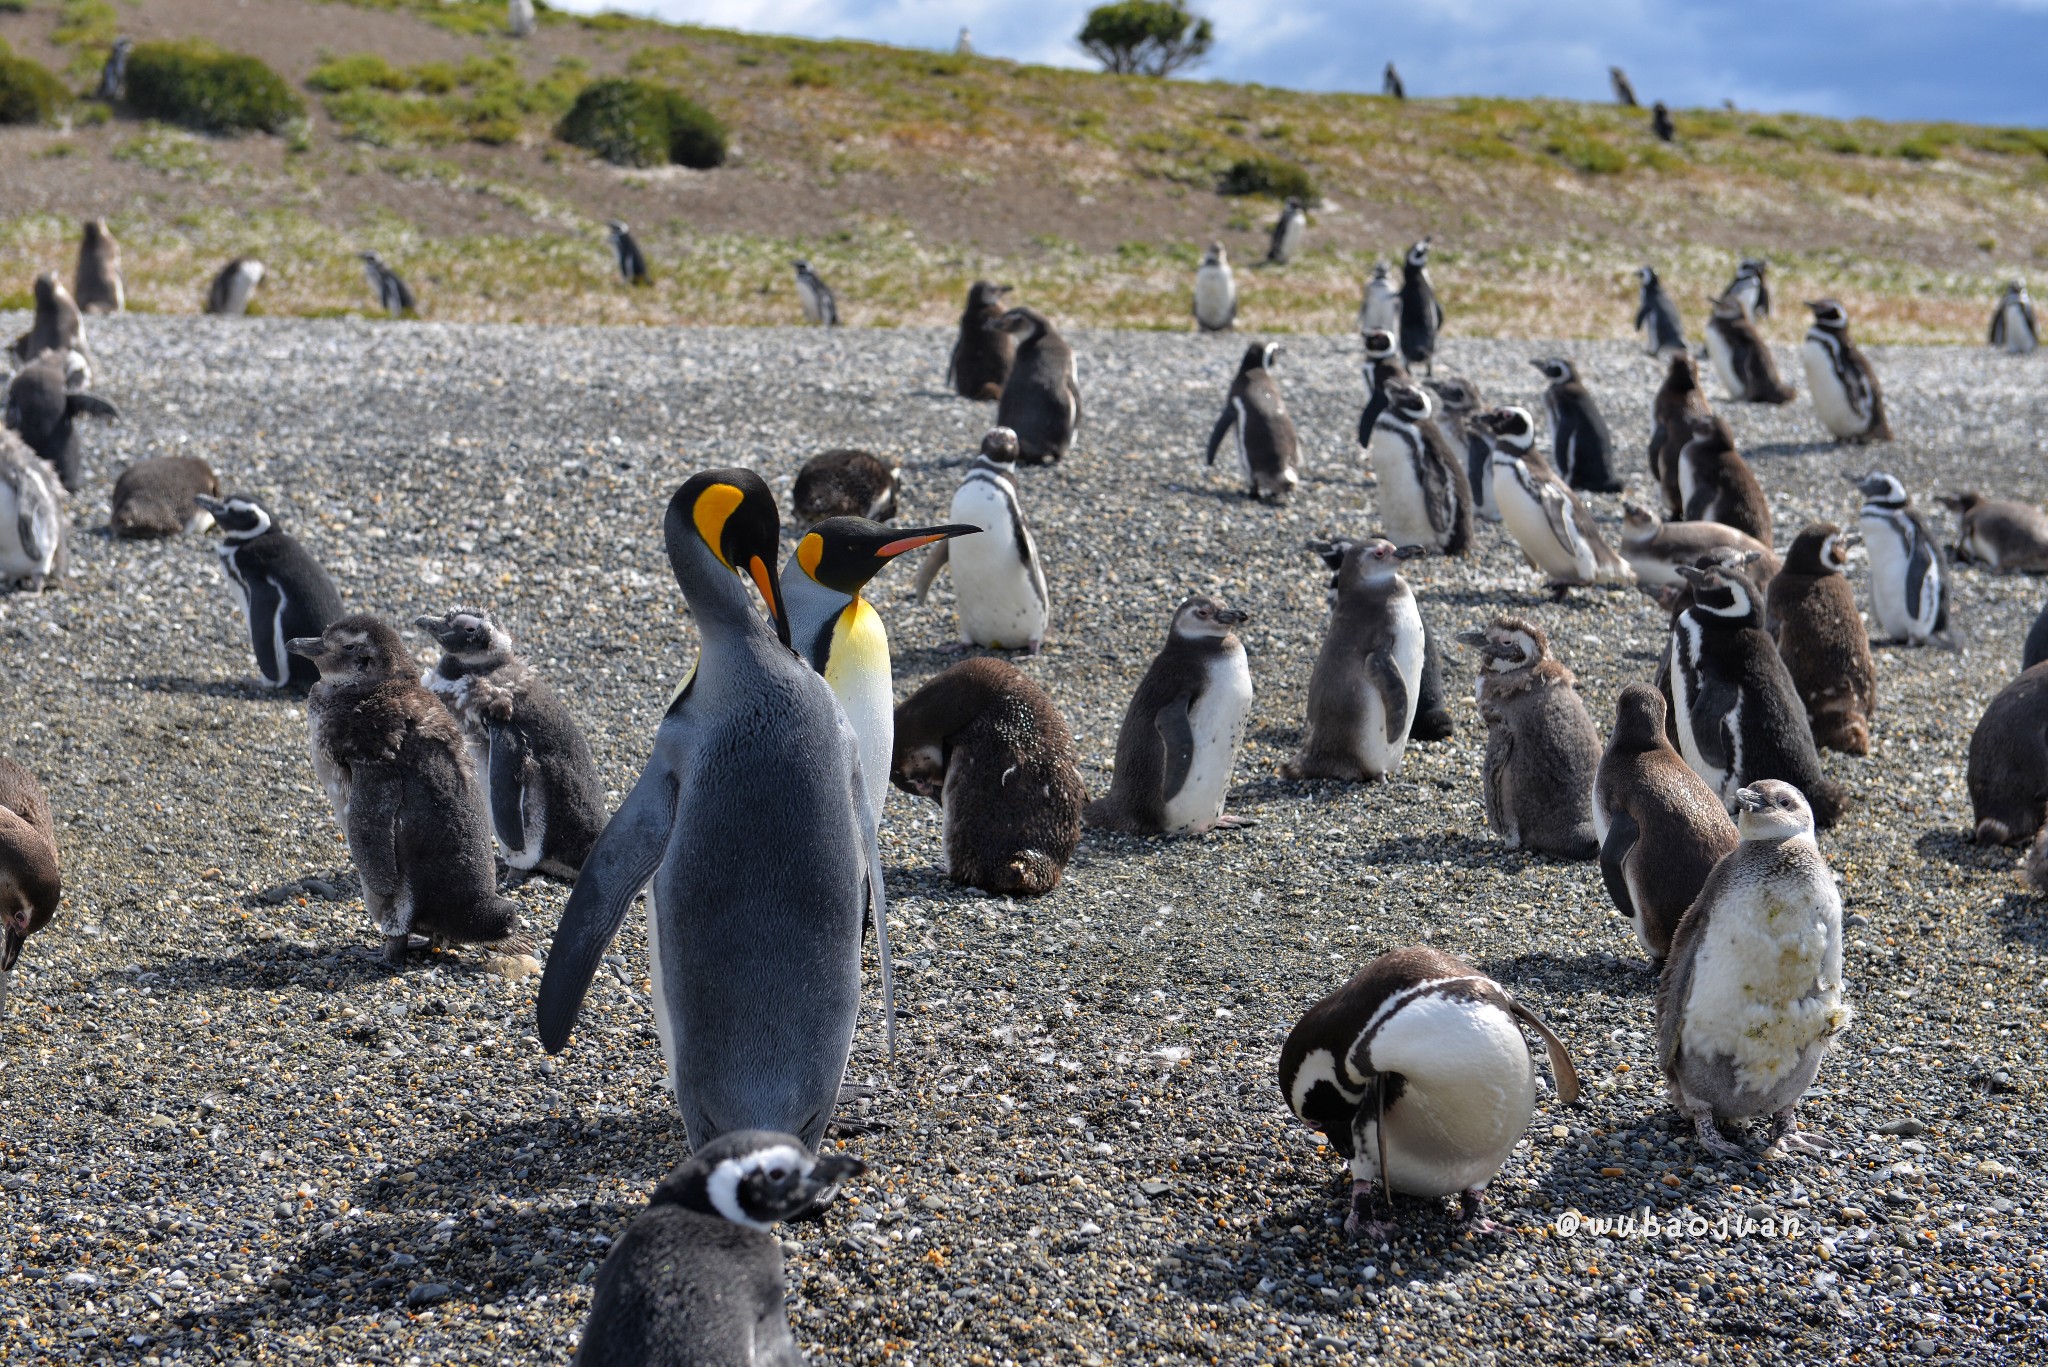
[[487, 99], [632, 122], [28, 92], [1146, 37], [1267, 176], [1587, 152], [199, 86]]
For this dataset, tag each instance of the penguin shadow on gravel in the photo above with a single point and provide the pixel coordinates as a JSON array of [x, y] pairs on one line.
[[246, 689], [1774, 449], [1608, 970], [2022, 918], [1961, 849]]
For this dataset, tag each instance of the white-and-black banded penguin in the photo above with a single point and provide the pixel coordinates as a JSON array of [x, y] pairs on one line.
[[1288, 230], [1424, 497], [1750, 290], [43, 410], [1741, 357], [280, 589], [1752, 997], [1422, 317], [2013, 326], [233, 287], [388, 287], [1908, 582], [96, 284], [1380, 309], [845, 483], [1679, 400], [1268, 452], [632, 262], [31, 880], [750, 828], [982, 354], [1458, 410], [1041, 401], [1846, 396], [1582, 447], [1383, 365], [1554, 530], [1541, 748], [1735, 712], [1417, 1072], [34, 531], [1366, 692], [2002, 535], [57, 326], [532, 763], [820, 305], [1178, 743], [697, 1280], [999, 595], [157, 497], [1656, 315], [1215, 291]]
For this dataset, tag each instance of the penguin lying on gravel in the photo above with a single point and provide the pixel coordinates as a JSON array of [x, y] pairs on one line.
[[157, 497], [1655, 549], [2003, 535], [1366, 691], [1541, 749], [844, 483], [30, 881], [2008, 765], [45, 412]]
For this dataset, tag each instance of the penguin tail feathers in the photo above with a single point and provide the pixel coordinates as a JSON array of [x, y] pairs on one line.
[[988, 393], [1827, 800], [1991, 831], [1027, 873]]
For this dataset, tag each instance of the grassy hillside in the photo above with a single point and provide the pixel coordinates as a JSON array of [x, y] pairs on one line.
[[903, 175]]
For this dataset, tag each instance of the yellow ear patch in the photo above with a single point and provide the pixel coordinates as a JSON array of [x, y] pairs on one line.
[[809, 552], [713, 510]]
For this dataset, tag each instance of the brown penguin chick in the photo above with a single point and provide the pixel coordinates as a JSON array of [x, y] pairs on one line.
[[391, 759], [30, 883], [1660, 826], [845, 483], [1678, 402], [2008, 767], [97, 284], [1717, 483], [988, 745], [980, 363], [155, 497], [1541, 748], [2003, 535], [1655, 548], [1811, 614]]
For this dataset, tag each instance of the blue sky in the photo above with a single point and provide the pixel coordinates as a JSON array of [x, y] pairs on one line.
[[1971, 60]]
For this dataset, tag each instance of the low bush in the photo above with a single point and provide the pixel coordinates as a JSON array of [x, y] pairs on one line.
[[638, 123], [28, 92], [1268, 176], [199, 86]]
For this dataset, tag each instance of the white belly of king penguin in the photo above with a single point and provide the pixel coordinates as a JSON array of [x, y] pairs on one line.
[[1217, 721], [996, 594], [1469, 1092]]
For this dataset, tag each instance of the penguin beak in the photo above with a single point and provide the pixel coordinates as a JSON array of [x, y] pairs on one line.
[[1410, 552], [1691, 574], [1847, 539], [771, 593], [10, 952], [308, 646], [1750, 800], [430, 625], [1474, 638], [736, 517], [923, 536], [1232, 617]]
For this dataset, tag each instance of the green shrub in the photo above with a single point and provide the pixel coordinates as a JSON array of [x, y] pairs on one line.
[[28, 92], [804, 73], [1584, 152], [196, 84], [356, 72], [1268, 176], [638, 123], [1842, 144], [1773, 132], [1919, 149]]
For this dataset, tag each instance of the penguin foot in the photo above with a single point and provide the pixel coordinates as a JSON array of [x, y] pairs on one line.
[[1711, 1138], [394, 950], [1468, 1216], [1362, 1223], [1230, 822], [1787, 1140]]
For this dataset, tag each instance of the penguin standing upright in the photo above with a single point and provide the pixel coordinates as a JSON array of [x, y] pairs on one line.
[[1740, 356], [1717, 483], [1041, 400], [31, 882], [1583, 447], [1417, 1072], [845, 483], [1422, 317], [393, 295], [999, 592], [1268, 453], [1288, 230], [1846, 396], [276, 583], [1458, 409], [2007, 772], [1391, 84], [44, 412], [1811, 614], [1624, 93], [1678, 402], [1425, 499], [626, 252], [233, 287], [1180, 735], [1656, 315], [1549, 524], [57, 326], [114, 72], [753, 825], [982, 356], [1751, 998], [1541, 749], [820, 305], [1750, 290], [1661, 124], [2003, 535], [696, 1280], [34, 532], [520, 19], [1908, 582], [2013, 326], [1215, 291], [1366, 690], [1382, 367], [157, 497], [96, 284], [1380, 310]]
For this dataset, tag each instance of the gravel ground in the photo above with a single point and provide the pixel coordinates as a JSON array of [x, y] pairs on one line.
[[230, 1137]]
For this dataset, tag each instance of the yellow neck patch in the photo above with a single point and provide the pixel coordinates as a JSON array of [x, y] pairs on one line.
[[713, 510]]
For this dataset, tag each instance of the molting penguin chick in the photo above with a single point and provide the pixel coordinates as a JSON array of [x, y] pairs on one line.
[[1751, 999], [34, 531], [1422, 317], [1678, 402], [2003, 535], [1717, 483], [158, 497], [280, 589], [44, 409], [1741, 357], [1180, 736], [1425, 498], [2008, 766], [1458, 408], [1811, 614], [1655, 549], [1367, 689], [30, 881], [57, 326], [1656, 315], [2014, 328], [1846, 396], [1417, 1071], [697, 1279], [820, 305], [391, 759], [988, 745], [1380, 310], [234, 286], [1041, 400], [96, 285], [1582, 447], [1553, 529], [1215, 291], [845, 483], [982, 354], [1541, 749], [999, 593], [1268, 452], [1908, 582], [540, 784], [1288, 231]]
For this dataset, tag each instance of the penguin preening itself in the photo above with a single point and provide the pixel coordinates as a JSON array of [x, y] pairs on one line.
[[1418, 1073], [1424, 497], [44, 412], [750, 829], [1582, 447], [1215, 291], [234, 286], [1366, 692], [626, 252], [999, 595], [1288, 230], [57, 326], [1551, 527], [1180, 735], [1741, 357], [158, 497], [982, 354], [96, 284], [1655, 549], [1846, 395], [34, 531], [1751, 999], [1678, 402], [987, 744], [1908, 582], [1041, 401], [1458, 409], [1268, 452], [31, 882], [2003, 535], [1811, 614], [539, 783], [1541, 749], [1383, 366], [281, 590], [388, 287], [845, 483], [1422, 317], [1661, 828], [392, 761], [1380, 310], [1750, 290], [1656, 315], [2013, 325], [1717, 483], [820, 305], [697, 1279]]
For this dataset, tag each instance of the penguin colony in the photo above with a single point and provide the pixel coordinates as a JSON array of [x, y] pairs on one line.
[[1700, 810]]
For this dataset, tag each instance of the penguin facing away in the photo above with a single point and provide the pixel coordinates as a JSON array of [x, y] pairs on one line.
[[1661, 124], [1582, 446], [1908, 582], [97, 284], [156, 497], [1678, 402], [1424, 497], [1180, 736], [820, 305], [1215, 291], [1288, 230], [845, 483], [999, 589], [1383, 366], [57, 326], [1741, 358], [2003, 535], [281, 590], [34, 531], [697, 1279], [1656, 315], [1422, 317], [1391, 84], [233, 287], [1041, 401], [1717, 483], [2014, 327], [982, 356], [2008, 762], [1541, 749], [626, 252], [44, 411], [1846, 395], [31, 881], [1366, 690], [1268, 452], [1811, 614]]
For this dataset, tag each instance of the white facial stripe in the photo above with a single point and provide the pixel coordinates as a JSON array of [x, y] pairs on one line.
[[723, 1186]]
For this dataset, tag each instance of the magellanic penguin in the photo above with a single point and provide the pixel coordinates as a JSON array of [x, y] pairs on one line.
[[1215, 291], [1041, 400], [1908, 582], [59, 327], [1742, 358], [1424, 497], [1582, 448], [1391, 84], [1661, 828], [1846, 395], [96, 284], [2035, 649], [1366, 691], [820, 305], [1751, 998], [394, 767], [1458, 409], [1734, 707], [999, 595], [842, 635], [1422, 317], [1678, 402], [539, 783], [1552, 527], [1268, 454], [632, 262], [234, 286], [31, 883], [157, 497], [34, 531], [45, 412], [697, 1280], [753, 826], [114, 72], [982, 355], [987, 744], [2008, 765], [1811, 613], [1717, 483], [845, 483], [2003, 535], [281, 590], [1656, 315], [520, 18], [388, 287], [1417, 1072], [1383, 366], [1541, 749], [1655, 549], [1288, 230], [1380, 310], [1180, 736], [2013, 326], [1661, 123], [1624, 93], [1750, 290]]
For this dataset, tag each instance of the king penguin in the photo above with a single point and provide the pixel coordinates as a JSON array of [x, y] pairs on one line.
[[998, 579], [1267, 449], [752, 823], [1657, 316], [2013, 326]]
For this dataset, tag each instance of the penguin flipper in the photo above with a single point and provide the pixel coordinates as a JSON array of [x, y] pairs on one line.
[[1386, 676], [1560, 1057], [507, 786], [76, 403], [1558, 510], [373, 841], [878, 893], [266, 601], [1177, 736], [626, 854], [1918, 566], [927, 573], [1221, 430], [1622, 834]]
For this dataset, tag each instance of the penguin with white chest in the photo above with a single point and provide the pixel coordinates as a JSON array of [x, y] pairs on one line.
[[1366, 691], [1458, 410], [999, 591], [281, 590], [1717, 483], [1215, 291], [1846, 396], [34, 531], [1552, 527], [57, 326], [1654, 548], [1268, 452], [1288, 231], [1425, 498], [234, 287], [1741, 357], [820, 305], [1541, 749], [1750, 290], [1418, 1073], [1908, 582], [1383, 366], [2014, 328], [1582, 448], [626, 253], [1380, 309], [1422, 317], [1657, 316]]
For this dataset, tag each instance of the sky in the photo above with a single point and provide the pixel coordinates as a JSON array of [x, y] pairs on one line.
[[1974, 61]]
